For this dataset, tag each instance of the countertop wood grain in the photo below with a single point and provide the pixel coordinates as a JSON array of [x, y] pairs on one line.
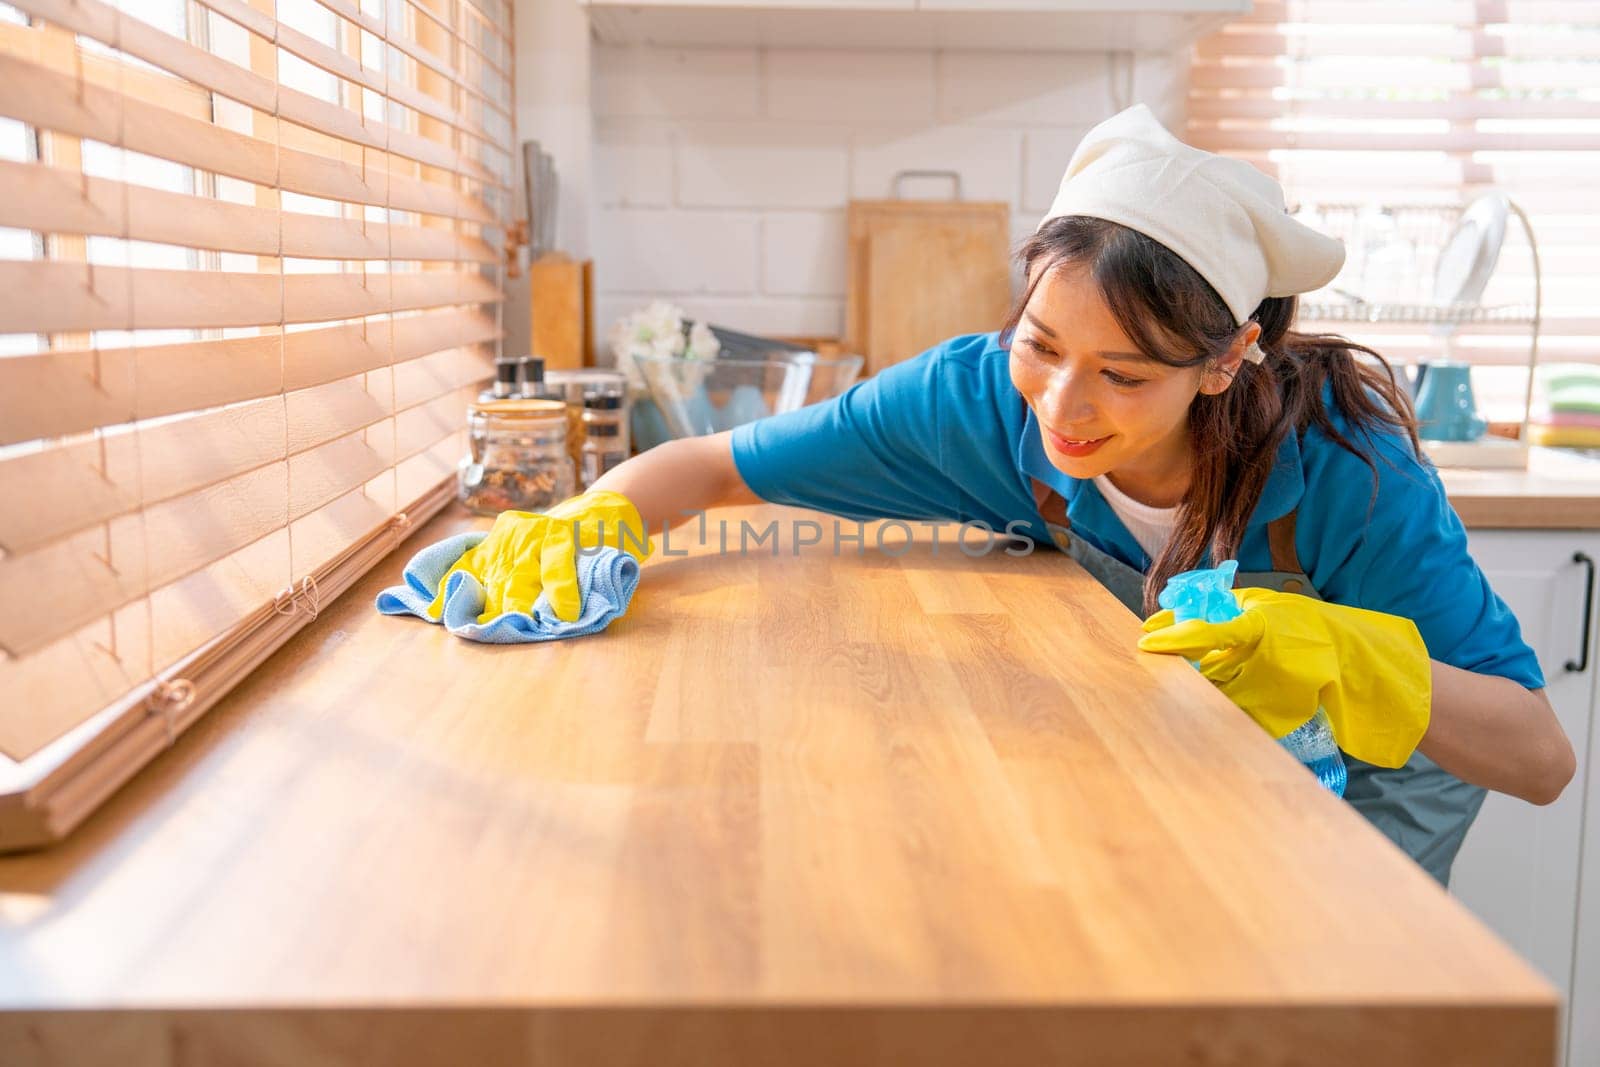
[[915, 808], [1559, 491]]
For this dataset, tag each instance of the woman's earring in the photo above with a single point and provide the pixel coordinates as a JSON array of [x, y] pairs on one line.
[[1254, 353]]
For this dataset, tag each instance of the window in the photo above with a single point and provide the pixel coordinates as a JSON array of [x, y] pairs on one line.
[[249, 277], [1422, 103]]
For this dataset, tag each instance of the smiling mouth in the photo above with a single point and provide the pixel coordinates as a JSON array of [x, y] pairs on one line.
[[1075, 440], [1075, 448]]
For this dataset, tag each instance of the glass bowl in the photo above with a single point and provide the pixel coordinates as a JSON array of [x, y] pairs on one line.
[[693, 397]]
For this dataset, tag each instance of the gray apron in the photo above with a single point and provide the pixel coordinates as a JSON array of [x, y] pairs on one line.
[[1421, 807]]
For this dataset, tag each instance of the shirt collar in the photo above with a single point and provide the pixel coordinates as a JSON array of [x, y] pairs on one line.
[[1086, 508]]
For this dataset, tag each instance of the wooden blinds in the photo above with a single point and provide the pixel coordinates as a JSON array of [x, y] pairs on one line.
[[250, 273], [1428, 102]]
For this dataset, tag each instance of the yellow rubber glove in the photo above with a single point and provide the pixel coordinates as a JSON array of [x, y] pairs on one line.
[[599, 519], [1287, 654], [525, 553]]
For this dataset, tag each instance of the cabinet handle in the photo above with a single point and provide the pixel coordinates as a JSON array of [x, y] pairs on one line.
[[1582, 663]]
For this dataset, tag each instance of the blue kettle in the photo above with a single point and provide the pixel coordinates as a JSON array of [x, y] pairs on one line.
[[1445, 408]]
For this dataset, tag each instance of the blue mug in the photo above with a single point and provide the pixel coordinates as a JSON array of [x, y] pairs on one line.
[[1445, 408]]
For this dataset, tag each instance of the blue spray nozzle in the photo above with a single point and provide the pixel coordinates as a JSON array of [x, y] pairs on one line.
[[1202, 594], [1208, 594]]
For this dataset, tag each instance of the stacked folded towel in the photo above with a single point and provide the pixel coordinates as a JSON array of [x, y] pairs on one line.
[[606, 582], [1571, 416]]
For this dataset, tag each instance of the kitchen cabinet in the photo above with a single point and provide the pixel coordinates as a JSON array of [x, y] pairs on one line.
[[1583, 1026], [1519, 869], [1035, 25]]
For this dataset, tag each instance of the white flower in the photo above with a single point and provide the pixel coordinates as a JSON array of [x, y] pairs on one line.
[[656, 331], [703, 344], [621, 339], [663, 344], [670, 315]]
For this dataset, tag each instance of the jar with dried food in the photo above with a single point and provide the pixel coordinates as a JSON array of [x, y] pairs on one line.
[[519, 457], [577, 387], [605, 437]]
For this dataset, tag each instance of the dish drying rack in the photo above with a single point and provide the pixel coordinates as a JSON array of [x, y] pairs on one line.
[[1426, 229]]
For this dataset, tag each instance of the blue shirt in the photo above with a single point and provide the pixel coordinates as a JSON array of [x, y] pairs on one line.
[[945, 436]]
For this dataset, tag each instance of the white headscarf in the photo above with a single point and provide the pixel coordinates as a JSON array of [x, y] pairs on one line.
[[1224, 217]]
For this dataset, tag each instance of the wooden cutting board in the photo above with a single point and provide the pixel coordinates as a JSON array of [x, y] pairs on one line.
[[560, 304], [922, 271]]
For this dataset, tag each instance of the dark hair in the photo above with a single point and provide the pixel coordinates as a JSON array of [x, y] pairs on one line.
[[1174, 316]]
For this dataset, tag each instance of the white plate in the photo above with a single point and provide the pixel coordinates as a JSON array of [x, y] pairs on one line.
[[1468, 258]]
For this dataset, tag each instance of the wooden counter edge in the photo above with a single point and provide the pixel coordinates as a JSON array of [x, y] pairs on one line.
[[1528, 512], [1465, 1034], [1557, 491]]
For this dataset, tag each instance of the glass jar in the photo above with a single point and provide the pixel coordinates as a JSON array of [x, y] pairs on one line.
[[577, 386], [605, 437], [519, 457]]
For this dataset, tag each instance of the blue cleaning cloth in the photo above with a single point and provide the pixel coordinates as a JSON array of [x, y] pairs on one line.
[[606, 581]]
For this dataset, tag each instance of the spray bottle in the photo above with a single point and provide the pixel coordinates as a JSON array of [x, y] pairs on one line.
[[1208, 594]]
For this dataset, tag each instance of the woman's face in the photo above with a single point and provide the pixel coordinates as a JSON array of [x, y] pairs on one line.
[[1102, 406]]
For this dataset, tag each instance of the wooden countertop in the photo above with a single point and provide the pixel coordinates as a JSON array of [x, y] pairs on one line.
[[926, 809], [1559, 490]]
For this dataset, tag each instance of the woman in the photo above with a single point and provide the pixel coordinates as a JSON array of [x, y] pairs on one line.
[[1148, 410]]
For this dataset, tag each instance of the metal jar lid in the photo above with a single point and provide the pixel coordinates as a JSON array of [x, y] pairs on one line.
[[594, 381], [519, 409]]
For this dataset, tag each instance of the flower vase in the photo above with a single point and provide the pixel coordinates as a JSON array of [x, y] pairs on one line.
[[745, 404], [701, 416], [645, 424]]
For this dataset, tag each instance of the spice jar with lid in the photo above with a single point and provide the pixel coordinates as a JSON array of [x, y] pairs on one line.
[[519, 457], [533, 385], [605, 437], [505, 385], [575, 386]]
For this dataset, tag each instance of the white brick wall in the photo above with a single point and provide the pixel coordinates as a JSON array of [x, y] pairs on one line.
[[673, 252], [760, 165], [632, 163], [1023, 223], [988, 160], [676, 83], [805, 85], [1044, 158], [1026, 90], [721, 175], [802, 253]]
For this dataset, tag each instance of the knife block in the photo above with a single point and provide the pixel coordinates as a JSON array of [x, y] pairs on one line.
[[560, 304]]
